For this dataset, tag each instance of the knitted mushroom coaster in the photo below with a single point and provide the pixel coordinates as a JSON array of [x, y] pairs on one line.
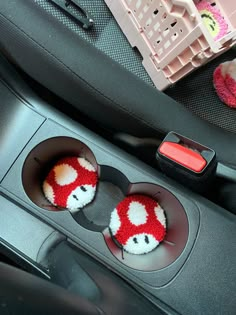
[[212, 19], [224, 80], [71, 183], [138, 224]]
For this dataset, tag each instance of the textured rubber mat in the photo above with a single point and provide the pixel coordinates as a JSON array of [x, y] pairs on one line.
[[195, 92]]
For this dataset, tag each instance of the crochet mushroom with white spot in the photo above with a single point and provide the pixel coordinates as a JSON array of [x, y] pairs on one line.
[[138, 224], [71, 183]]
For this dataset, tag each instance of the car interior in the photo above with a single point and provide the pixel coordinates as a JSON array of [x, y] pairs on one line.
[[71, 85]]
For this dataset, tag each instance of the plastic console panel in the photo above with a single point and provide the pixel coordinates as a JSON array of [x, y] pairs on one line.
[[192, 271]]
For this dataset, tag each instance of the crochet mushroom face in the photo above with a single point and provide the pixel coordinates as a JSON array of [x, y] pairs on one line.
[[138, 224], [212, 19], [71, 183]]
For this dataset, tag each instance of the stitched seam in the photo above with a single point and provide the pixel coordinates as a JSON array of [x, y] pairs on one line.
[[149, 124]]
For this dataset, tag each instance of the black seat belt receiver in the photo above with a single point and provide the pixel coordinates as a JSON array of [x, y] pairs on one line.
[[188, 162]]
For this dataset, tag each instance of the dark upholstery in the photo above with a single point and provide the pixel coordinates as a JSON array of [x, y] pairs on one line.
[[80, 73]]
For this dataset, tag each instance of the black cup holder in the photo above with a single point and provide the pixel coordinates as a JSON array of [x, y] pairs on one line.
[[176, 237], [112, 187], [42, 158]]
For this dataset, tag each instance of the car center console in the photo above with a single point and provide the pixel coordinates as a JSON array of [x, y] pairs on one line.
[[192, 271]]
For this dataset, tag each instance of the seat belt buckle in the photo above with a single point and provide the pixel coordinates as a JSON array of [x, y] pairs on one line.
[[187, 161], [75, 11]]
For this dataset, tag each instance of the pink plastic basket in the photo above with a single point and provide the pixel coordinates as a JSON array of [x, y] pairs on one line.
[[171, 35]]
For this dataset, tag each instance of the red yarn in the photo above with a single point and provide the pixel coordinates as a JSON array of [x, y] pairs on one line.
[[221, 88], [61, 193], [128, 229]]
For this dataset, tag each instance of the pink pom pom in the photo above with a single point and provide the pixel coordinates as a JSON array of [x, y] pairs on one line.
[[224, 79]]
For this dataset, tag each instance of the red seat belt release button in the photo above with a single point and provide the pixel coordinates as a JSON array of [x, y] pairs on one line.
[[188, 162], [184, 156]]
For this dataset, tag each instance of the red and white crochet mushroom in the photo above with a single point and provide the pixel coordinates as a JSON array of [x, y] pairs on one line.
[[138, 224], [71, 183]]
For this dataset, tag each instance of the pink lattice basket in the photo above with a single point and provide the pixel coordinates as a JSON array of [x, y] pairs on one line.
[[171, 35]]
